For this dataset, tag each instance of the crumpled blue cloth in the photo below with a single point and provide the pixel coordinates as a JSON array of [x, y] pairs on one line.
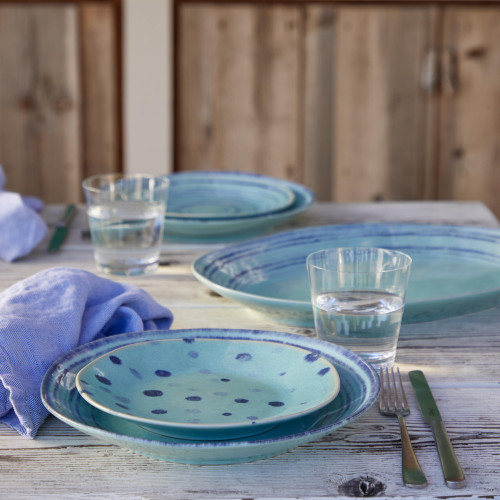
[[49, 314], [21, 228]]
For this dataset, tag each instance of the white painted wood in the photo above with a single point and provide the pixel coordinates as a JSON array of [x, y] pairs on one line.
[[147, 49], [459, 356]]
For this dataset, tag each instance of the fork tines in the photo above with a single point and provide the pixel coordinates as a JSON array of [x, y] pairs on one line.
[[392, 394]]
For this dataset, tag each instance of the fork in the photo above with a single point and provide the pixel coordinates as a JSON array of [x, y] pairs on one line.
[[393, 403]]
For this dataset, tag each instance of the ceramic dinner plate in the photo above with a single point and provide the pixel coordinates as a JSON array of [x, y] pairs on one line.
[[213, 230], [200, 195], [359, 388], [209, 388], [455, 270]]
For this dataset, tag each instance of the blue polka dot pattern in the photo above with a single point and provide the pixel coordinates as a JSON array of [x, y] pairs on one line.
[[102, 379], [312, 357], [206, 382], [152, 393], [244, 356]]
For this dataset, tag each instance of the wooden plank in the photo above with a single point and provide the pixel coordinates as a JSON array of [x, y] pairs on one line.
[[100, 89], [17, 102], [370, 446], [53, 60], [380, 113], [470, 124], [355, 109], [238, 89], [57, 92], [319, 78], [459, 356], [344, 2], [40, 101]]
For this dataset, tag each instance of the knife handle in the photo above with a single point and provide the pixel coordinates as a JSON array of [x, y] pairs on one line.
[[453, 474], [68, 216]]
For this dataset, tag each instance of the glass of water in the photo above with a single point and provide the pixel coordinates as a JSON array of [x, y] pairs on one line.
[[126, 216], [358, 297]]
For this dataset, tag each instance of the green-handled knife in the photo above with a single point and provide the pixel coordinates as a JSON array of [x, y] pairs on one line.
[[62, 226], [453, 474]]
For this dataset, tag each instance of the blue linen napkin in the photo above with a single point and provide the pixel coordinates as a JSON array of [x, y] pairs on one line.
[[49, 314], [21, 228]]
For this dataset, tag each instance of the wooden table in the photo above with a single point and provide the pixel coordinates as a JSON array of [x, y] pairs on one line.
[[460, 356]]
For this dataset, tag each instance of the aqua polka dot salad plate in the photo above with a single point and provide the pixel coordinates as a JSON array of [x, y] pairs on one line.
[[196, 388], [359, 388]]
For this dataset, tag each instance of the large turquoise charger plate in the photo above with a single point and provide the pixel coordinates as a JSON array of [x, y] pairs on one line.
[[359, 388], [455, 269], [227, 229]]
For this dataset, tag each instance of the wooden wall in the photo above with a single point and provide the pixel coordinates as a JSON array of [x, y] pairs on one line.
[[359, 101], [60, 103]]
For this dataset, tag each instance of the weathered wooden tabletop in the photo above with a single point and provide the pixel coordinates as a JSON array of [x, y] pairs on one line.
[[460, 356]]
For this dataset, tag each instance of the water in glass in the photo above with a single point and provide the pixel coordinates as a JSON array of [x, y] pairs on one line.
[[364, 321], [126, 236]]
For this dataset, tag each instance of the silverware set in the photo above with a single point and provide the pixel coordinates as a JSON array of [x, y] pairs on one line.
[[393, 402]]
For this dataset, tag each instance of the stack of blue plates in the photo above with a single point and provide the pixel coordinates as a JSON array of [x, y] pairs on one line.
[[212, 206], [209, 396]]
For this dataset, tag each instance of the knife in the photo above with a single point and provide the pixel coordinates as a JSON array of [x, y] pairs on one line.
[[62, 226], [453, 474]]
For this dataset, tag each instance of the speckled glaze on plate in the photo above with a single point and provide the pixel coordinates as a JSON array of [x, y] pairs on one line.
[[455, 269], [205, 196], [226, 230], [359, 388], [209, 388]]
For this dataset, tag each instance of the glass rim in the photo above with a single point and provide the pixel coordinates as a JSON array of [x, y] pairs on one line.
[[404, 265], [87, 182]]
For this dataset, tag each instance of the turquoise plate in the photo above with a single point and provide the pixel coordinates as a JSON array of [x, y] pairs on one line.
[[359, 388], [455, 270], [206, 196], [209, 388], [223, 229]]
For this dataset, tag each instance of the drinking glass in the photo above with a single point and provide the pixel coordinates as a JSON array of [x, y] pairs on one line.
[[358, 297], [126, 221]]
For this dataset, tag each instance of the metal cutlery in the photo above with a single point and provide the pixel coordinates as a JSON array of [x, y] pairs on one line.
[[393, 403], [61, 230], [453, 474]]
